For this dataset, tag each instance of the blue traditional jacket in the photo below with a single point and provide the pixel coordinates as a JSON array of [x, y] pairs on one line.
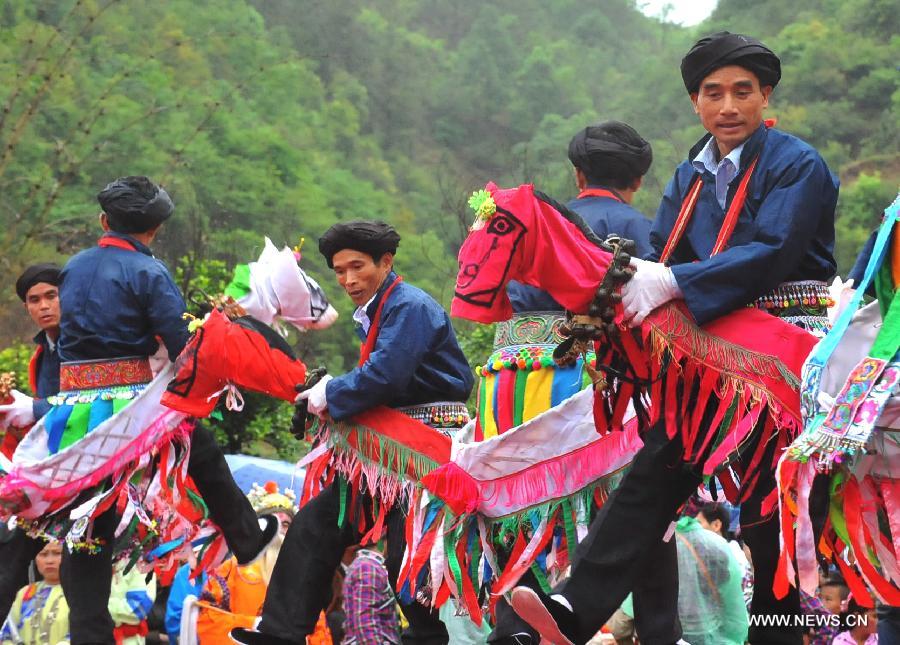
[[416, 358], [46, 372], [605, 216], [784, 233], [115, 302]]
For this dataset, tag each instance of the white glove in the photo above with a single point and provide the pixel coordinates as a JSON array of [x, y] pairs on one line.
[[651, 286], [19, 413], [841, 293], [315, 396]]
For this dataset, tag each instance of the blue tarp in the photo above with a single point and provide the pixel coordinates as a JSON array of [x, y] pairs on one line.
[[247, 470]]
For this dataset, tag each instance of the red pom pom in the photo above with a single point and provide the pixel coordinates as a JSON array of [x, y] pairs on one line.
[[271, 487]]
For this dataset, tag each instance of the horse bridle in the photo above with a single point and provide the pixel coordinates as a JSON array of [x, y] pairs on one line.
[[581, 331]]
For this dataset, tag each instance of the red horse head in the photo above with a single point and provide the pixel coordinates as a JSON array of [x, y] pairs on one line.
[[244, 353], [534, 240]]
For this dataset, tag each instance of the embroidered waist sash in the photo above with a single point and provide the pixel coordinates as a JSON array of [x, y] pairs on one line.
[[92, 375]]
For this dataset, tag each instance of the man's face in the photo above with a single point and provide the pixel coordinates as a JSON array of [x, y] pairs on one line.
[[359, 274], [42, 303], [284, 521], [730, 104]]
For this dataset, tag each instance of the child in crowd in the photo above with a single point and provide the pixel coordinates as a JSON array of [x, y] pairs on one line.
[[860, 624]]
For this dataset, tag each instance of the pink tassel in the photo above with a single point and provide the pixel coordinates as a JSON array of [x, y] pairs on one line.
[[455, 487]]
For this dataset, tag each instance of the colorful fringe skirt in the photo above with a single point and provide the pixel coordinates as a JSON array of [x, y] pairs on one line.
[[520, 379], [106, 443]]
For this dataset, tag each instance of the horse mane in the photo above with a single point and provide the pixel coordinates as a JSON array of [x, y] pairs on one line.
[[574, 218]]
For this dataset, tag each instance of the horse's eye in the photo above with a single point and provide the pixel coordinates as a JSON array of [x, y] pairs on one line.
[[500, 225]]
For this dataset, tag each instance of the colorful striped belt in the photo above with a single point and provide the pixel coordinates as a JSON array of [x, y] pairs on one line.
[[441, 414], [531, 328], [96, 374]]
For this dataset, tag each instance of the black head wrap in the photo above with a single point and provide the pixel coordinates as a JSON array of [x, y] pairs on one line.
[[611, 152], [35, 274], [724, 48], [372, 237], [135, 204]]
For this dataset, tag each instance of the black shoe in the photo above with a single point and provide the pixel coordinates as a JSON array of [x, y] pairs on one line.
[[269, 525], [553, 621], [246, 636]]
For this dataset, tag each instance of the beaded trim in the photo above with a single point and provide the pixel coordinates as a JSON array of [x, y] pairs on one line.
[[532, 328], [443, 414], [525, 358], [90, 375], [804, 293], [121, 392]]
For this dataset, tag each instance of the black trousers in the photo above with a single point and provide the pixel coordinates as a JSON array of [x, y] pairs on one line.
[[623, 541], [300, 587], [655, 596], [16, 554], [86, 577]]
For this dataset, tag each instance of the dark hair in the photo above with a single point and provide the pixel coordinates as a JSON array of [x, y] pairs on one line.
[[610, 154], [712, 511], [134, 204], [853, 609], [837, 581]]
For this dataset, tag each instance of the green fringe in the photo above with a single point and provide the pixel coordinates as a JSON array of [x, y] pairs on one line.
[[389, 452]]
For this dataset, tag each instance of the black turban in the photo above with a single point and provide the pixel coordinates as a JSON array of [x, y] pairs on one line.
[[37, 273], [372, 237], [135, 204], [724, 48], [610, 150]]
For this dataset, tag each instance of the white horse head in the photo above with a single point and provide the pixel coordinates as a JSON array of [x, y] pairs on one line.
[[279, 290]]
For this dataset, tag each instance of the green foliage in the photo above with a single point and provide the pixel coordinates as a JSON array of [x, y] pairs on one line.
[[15, 358]]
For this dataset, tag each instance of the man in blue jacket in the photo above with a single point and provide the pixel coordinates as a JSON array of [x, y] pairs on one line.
[[415, 365], [116, 301], [747, 220], [38, 288]]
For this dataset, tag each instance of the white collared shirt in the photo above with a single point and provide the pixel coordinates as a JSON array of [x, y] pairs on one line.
[[724, 171], [361, 318]]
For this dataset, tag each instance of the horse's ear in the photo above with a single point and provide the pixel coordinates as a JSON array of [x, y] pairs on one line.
[[573, 217]]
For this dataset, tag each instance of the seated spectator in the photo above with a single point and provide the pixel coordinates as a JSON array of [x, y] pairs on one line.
[[833, 592], [859, 623], [39, 614], [827, 606], [710, 601], [369, 602], [716, 517]]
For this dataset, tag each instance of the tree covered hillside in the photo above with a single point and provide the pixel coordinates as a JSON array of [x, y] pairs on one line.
[[280, 117]]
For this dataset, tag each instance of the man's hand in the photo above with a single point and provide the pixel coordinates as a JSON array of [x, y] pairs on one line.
[[315, 396], [651, 286], [19, 413]]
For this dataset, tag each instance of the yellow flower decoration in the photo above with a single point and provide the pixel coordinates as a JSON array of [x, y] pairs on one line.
[[483, 204], [194, 324]]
